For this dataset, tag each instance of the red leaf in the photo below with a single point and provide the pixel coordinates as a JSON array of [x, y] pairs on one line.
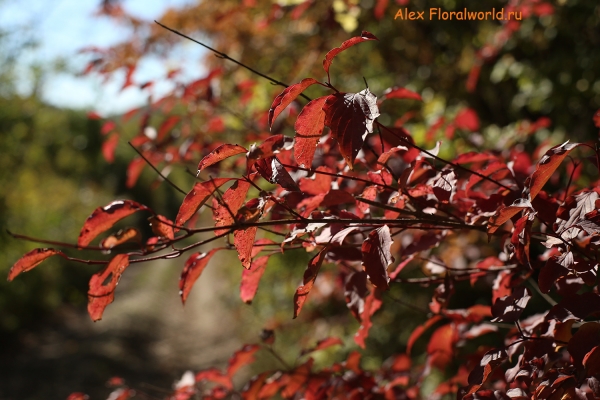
[[319, 183], [467, 119], [272, 170], [521, 238], [162, 226], [401, 93], [310, 275], [419, 331], [167, 126], [488, 363], [377, 256], [196, 198], [372, 303], [31, 260], [309, 127], [546, 167], [350, 117], [134, 169], [441, 346], [271, 146], [233, 199], [297, 379], [509, 308], [108, 127], [192, 270], [380, 8], [355, 291], [243, 240], [219, 154], [109, 146], [242, 357], [506, 213], [583, 341], [323, 344], [288, 95], [251, 278], [101, 292], [104, 218], [364, 36], [216, 376]]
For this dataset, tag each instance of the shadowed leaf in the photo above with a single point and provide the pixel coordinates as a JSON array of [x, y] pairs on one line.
[[377, 256]]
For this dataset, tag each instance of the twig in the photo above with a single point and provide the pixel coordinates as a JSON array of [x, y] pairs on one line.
[[157, 171]]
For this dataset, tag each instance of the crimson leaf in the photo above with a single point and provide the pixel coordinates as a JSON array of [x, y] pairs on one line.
[[309, 127], [288, 95], [196, 198], [31, 260], [364, 36], [377, 256], [191, 272], [310, 275], [350, 117], [219, 154], [251, 278]]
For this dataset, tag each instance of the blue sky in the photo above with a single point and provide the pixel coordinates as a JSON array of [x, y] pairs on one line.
[[62, 27]]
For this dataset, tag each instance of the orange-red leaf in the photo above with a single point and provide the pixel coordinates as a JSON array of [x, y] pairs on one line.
[[323, 344], [166, 127], [233, 199], [242, 357], [506, 213], [30, 261], [104, 218], [162, 226], [269, 147], [364, 36], [219, 154], [192, 270], [546, 167], [122, 236], [243, 240], [309, 127], [197, 197], [310, 275], [372, 303], [103, 284], [467, 119], [350, 117], [419, 331], [251, 278], [288, 95], [109, 146]]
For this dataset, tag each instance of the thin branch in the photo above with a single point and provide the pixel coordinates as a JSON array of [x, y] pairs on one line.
[[226, 57], [157, 171]]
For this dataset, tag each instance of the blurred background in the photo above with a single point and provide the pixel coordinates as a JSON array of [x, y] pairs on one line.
[[75, 76]]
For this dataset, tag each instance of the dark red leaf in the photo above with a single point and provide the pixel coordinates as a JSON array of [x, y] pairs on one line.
[[288, 95], [444, 185], [377, 256], [401, 93], [355, 291], [191, 271], [576, 305], [134, 169], [31, 260], [197, 197], [348, 43], [243, 240], [104, 218], [480, 374], [350, 117], [271, 169], [323, 344], [233, 199], [546, 167], [219, 154], [310, 275], [102, 290], [251, 278], [372, 303], [583, 341], [309, 127], [418, 331], [509, 308], [269, 147], [521, 238], [244, 356]]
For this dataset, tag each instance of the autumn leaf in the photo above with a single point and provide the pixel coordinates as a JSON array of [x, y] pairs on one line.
[[372, 303], [350, 117], [233, 198], [196, 198], [31, 260], [377, 256], [288, 95], [240, 358], [192, 270], [401, 93], [102, 286], [251, 278], [364, 36], [104, 218], [219, 154], [310, 275], [162, 226], [269, 147], [273, 171], [309, 128], [322, 345], [243, 240], [467, 119]]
